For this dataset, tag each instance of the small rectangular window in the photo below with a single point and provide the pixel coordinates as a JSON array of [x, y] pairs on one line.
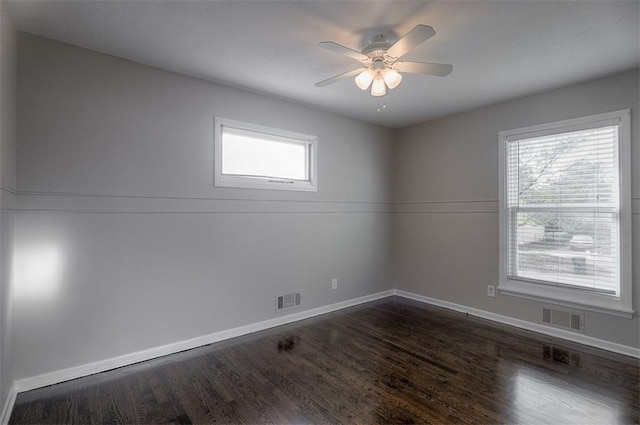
[[254, 156], [565, 212]]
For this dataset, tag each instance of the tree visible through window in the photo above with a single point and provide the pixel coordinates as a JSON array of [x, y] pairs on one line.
[[561, 207]]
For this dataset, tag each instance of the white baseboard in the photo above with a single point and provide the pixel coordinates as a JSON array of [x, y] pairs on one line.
[[523, 324], [58, 376], [8, 405]]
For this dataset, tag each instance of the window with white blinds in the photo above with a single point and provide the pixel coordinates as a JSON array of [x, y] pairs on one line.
[[562, 211], [563, 208]]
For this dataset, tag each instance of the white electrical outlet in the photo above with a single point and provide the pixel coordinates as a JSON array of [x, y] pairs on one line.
[[334, 283], [491, 291]]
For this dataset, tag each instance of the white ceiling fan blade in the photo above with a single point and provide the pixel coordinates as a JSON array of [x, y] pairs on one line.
[[339, 48], [418, 35], [339, 77], [437, 69]]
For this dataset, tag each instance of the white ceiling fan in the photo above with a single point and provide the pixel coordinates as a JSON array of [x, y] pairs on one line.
[[380, 65]]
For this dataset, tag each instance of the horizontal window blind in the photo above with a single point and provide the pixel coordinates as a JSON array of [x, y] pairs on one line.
[[562, 204]]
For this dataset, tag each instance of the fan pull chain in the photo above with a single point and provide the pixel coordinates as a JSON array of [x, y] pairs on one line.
[[381, 105]]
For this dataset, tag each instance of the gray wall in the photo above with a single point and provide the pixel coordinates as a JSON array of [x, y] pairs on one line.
[[115, 180], [7, 190], [117, 204], [446, 187]]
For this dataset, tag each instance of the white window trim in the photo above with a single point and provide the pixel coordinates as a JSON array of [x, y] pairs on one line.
[[248, 182], [574, 297]]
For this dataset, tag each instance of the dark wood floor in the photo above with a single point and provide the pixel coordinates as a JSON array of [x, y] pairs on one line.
[[390, 361]]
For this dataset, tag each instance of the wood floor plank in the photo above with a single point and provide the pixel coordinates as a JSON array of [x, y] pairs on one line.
[[389, 361]]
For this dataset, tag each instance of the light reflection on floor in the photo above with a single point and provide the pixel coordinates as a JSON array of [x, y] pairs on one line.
[[540, 397]]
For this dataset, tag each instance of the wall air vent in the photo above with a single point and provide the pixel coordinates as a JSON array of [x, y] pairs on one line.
[[569, 320], [288, 301]]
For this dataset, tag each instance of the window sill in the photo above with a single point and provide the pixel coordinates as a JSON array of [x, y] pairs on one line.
[[269, 184], [569, 297]]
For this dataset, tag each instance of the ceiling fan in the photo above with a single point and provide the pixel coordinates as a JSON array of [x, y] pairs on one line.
[[380, 65]]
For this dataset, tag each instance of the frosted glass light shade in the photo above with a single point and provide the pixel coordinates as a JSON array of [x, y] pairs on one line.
[[378, 88], [364, 79], [391, 77]]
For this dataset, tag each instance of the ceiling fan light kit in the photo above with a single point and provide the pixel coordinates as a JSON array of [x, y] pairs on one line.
[[378, 88], [380, 61], [391, 77], [381, 79], [365, 78]]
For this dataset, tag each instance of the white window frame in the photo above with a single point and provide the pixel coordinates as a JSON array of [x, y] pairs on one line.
[[269, 133], [614, 304]]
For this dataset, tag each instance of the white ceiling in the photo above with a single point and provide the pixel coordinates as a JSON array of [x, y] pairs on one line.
[[499, 49]]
